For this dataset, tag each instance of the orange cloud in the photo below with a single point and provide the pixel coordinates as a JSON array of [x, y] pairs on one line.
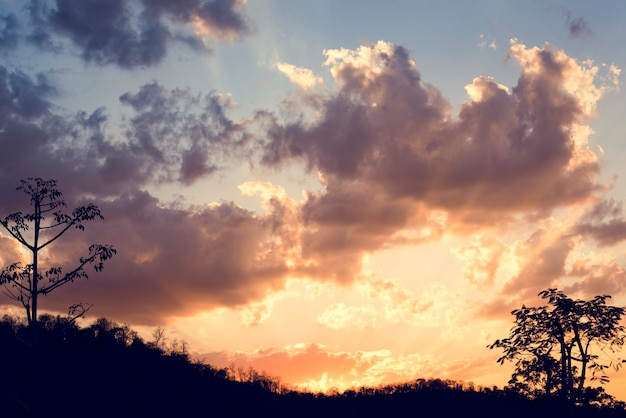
[[597, 279], [338, 315], [430, 306], [482, 257]]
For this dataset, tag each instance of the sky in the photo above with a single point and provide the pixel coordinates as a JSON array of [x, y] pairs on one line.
[[337, 193]]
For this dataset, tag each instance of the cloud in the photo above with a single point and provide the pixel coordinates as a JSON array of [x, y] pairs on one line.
[[580, 278], [576, 26], [428, 307], [597, 279], [397, 166], [606, 232], [338, 316], [255, 313], [111, 32], [174, 262], [168, 136], [528, 266], [9, 34], [302, 77], [30, 131], [24, 97], [482, 257], [507, 151], [104, 31], [542, 258], [221, 19], [9, 253], [178, 135], [484, 42], [496, 308]]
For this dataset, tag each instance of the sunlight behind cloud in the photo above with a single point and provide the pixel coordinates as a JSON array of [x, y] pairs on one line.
[[336, 201]]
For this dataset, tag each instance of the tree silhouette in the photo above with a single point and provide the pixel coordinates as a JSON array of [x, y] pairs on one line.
[[37, 230], [554, 346]]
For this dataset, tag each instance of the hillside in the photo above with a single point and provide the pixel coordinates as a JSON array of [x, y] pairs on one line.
[[106, 370]]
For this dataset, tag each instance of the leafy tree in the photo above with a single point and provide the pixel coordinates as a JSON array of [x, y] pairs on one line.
[[554, 346], [36, 230]]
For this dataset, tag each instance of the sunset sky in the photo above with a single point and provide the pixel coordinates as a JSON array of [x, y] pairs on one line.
[[338, 193]]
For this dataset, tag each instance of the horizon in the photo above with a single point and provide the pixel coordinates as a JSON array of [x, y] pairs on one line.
[[337, 193]]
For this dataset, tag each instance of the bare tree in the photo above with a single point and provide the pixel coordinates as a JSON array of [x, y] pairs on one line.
[[159, 338], [184, 347], [39, 229]]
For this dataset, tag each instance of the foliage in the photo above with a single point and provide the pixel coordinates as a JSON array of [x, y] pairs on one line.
[[37, 230], [554, 346]]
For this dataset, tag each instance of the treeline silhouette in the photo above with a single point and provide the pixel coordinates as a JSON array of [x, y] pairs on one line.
[[106, 370]]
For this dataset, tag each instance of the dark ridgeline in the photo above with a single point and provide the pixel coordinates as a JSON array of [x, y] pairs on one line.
[[106, 370]]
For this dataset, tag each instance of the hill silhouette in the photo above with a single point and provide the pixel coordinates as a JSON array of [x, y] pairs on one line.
[[106, 370]]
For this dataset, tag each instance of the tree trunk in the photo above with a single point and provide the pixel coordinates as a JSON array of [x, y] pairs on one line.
[[35, 250]]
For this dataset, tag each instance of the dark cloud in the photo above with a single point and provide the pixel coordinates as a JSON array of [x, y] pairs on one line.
[[40, 141], [9, 31], [23, 97], [597, 279], [576, 26], [115, 32], [606, 233], [41, 33], [171, 136], [173, 261], [180, 135], [604, 223], [105, 32], [605, 208], [544, 264], [29, 129], [507, 151], [220, 19]]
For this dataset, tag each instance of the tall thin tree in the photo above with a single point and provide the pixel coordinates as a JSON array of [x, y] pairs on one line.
[[36, 230]]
